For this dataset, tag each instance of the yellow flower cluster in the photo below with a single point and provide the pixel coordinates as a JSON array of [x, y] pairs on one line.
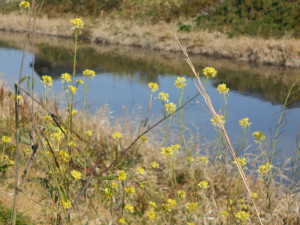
[[181, 194], [107, 192], [170, 205], [153, 87], [170, 107], [64, 156], [88, 133], [130, 190], [89, 73], [152, 204], [214, 120], [242, 161], [254, 195], [129, 207], [180, 82], [242, 217], [259, 136], [192, 207], [114, 186], [74, 111], [24, 5], [203, 159], [140, 170], [66, 77], [189, 159], [117, 135], [46, 80], [67, 204], [168, 151], [209, 72], [73, 89], [151, 214], [76, 174], [77, 23], [122, 221], [26, 151], [244, 122], [6, 139], [203, 185], [163, 96], [264, 169], [122, 175], [154, 164], [71, 144], [222, 88], [225, 213]]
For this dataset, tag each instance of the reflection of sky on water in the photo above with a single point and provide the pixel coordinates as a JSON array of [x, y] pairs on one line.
[[128, 91]]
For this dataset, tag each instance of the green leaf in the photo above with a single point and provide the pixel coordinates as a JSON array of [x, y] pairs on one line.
[[24, 78], [28, 87], [25, 140]]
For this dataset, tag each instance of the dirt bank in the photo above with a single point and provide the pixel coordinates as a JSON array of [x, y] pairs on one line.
[[284, 52]]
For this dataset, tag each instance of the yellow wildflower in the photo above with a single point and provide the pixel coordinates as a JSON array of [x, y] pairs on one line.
[[175, 147], [192, 206], [122, 175], [153, 87], [11, 162], [181, 194], [130, 190], [79, 81], [19, 98], [170, 107], [242, 161], [47, 119], [6, 139], [114, 185], [144, 138], [214, 120], [244, 207], [254, 195], [163, 96], [88, 133], [76, 174], [225, 213], [154, 164], [66, 77], [264, 169], [26, 151], [73, 89], [74, 111], [152, 204], [89, 73], [129, 207], [122, 221], [222, 88], [172, 202], [180, 82], [107, 193], [190, 223], [168, 151], [244, 122], [64, 156], [259, 136], [203, 185], [46, 80], [242, 217], [151, 214], [117, 135], [77, 23], [140, 170], [189, 159], [67, 204], [24, 5], [209, 72], [167, 207], [71, 143], [203, 159]]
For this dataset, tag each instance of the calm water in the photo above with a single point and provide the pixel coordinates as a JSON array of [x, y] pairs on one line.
[[123, 74]]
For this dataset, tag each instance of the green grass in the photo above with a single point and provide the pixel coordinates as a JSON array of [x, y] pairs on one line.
[[6, 214]]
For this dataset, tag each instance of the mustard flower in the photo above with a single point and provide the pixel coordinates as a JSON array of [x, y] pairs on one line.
[[172, 202], [189, 159], [176, 147], [153, 87], [154, 165], [64, 156], [190, 223], [71, 144], [6, 139], [26, 151], [129, 207], [180, 82], [242, 161], [242, 217], [5, 158], [151, 214], [203, 185], [122, 221], [19, 98], [79, 81], [11, 162], [222, 88], [24, 5], [254, 195], [244, 122], [225, 213], [144, 138], [76, 174], [88, 133], [163, 96], [66, 77], [244, 207], [114, 185], [170, 107], [89, 73], [259, 136], [152, 204], [47, 119], [117, 135], [181, 194], [73, 89], [77, 24], [46, 80], [140, 170], [107, 192], [74, 111], [122, 175], [203, 159], [167, 151], [264, 169], [67, 204], [192, 207], [214, 120], [167, 207], [209, 72], [130, 190]]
